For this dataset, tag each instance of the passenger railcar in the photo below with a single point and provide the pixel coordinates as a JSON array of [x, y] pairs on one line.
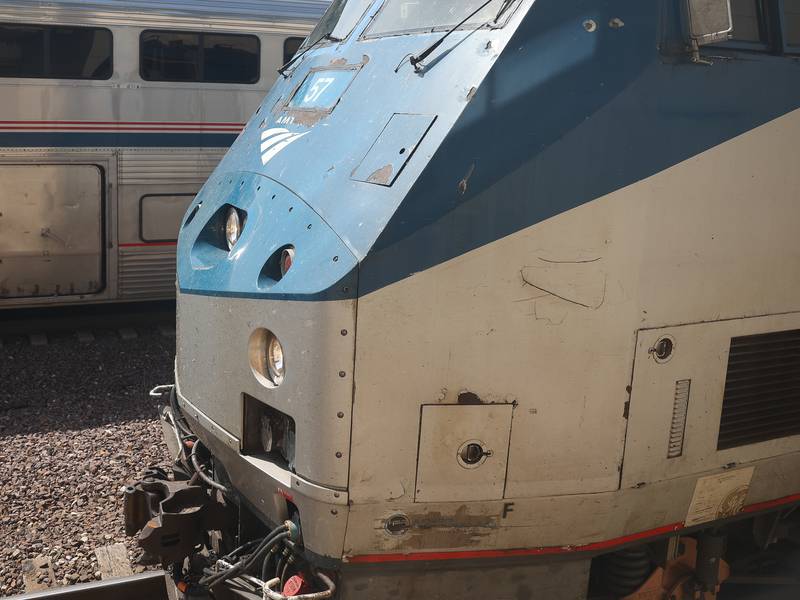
[[496, 299], [113, 115]]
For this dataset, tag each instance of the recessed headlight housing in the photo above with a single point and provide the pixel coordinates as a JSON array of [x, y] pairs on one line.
[[287, 260], [233, 227], [266, 358]]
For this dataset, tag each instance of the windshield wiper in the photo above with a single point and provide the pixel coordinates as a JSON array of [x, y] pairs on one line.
[[416, 59], [506, 5], [299, 55]]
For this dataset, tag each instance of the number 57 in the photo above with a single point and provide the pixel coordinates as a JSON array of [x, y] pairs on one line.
[[317, 89]]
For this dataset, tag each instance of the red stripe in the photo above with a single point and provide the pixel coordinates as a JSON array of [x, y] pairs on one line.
[[771, 503], [176, 123], [603, 545], [472, 554], [146, 244]]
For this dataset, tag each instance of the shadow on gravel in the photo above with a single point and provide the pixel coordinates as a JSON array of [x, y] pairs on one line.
[[67, 385], [83, 426], [76, 423]]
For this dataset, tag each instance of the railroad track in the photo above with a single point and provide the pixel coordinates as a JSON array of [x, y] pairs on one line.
[[84, 323]]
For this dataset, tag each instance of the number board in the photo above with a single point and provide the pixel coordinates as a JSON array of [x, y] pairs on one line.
[[321, 90]]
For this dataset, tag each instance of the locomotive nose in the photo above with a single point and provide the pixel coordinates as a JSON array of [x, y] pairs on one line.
[[274, 406], [243, 234]]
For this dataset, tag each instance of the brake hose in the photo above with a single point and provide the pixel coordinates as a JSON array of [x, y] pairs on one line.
[[244, 564], [199, 470]]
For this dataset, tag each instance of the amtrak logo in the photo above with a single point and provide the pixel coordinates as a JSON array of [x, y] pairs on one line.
[[274, 140]]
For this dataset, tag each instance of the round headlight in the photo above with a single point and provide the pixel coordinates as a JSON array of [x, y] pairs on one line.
[[287, 260], [275, 364], [233, 228], [266, 358]]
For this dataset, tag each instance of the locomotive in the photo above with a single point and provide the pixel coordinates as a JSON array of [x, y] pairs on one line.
[[494, 299]]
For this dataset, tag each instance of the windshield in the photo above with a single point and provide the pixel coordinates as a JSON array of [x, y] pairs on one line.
[[427, 15], [339, 20]]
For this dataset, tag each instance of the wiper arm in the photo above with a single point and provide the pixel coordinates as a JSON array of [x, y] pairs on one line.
[[506, 5], [415, 60], [298, 56]]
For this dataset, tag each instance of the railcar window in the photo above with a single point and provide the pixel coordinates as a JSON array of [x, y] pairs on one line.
[[290, 47], [791, 22], [57, 52], [398, 16], [21, 51], [170, 56], [76, 52], [749, 21], [199, 57], [230, 58]]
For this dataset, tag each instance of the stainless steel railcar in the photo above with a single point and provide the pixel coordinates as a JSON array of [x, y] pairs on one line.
[[112, 115], [496, 300]]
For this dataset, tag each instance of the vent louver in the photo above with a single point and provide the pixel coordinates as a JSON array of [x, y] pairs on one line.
[[680, 408], [762, 389]]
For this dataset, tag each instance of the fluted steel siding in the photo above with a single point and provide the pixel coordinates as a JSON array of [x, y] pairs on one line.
[[147, 272], [184, 167]]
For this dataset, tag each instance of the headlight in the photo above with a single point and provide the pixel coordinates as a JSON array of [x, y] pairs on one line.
[[275, 364], [266, 358], [233, 228], [287, 260]]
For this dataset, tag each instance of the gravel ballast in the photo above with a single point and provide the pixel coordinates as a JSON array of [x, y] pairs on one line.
[[85, 427]]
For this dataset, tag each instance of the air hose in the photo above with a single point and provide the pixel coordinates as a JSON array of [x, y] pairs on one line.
[[244, 564], [271, 594]]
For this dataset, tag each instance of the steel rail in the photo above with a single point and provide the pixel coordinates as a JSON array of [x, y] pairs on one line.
[[153, 586]]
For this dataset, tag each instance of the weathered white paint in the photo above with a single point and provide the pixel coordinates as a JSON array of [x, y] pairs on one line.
[[527, 320]]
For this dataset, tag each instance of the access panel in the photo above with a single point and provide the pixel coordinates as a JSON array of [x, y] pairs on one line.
[[51, 230], [393, 149], [463, 452], [707, 396]]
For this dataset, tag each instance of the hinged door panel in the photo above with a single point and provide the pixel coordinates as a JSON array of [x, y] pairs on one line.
[[712, 395], [463, 452], [51, 230], [393, 149]]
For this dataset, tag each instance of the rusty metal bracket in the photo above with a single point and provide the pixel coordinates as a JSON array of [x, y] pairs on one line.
[[171, 518]]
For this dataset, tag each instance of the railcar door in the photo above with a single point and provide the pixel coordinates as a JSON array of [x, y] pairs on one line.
[[51, 230]]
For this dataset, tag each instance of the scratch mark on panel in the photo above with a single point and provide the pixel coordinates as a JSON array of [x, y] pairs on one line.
[[570, 262], [552, 293], [550, 321], [462, 185], [577, 282]]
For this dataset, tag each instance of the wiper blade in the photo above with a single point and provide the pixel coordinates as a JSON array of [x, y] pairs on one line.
[[298, 56], [506, 5], [416, 59]]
